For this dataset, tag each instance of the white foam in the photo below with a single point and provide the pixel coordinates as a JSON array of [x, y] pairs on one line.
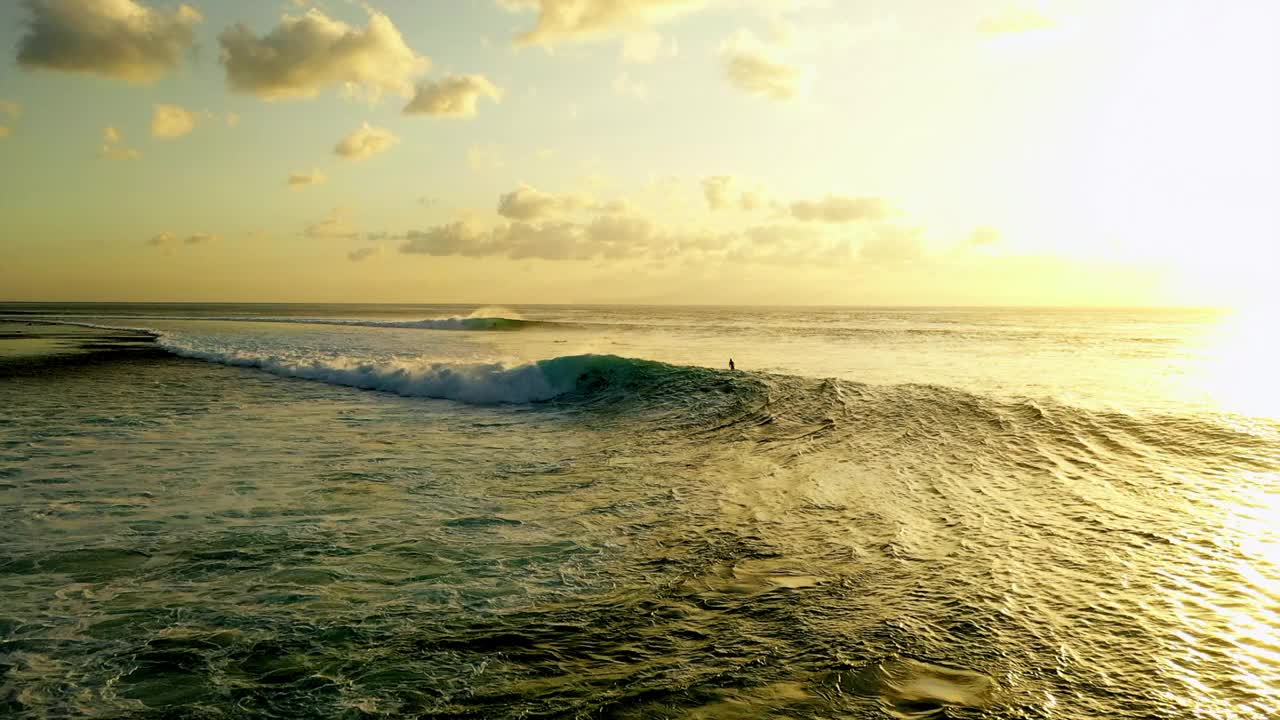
[[475, 383]]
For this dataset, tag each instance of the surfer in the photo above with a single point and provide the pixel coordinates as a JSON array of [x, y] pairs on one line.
[[730, 363]]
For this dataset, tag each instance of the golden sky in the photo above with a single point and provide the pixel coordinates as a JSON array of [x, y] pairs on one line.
[[913, 152]]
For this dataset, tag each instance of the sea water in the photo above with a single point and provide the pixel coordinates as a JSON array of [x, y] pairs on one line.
[[457, 511]]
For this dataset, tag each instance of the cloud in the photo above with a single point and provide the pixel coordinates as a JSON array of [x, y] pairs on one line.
[[11, 109], [168, 239], [365, 141], [1014, 19], [364, 253], [529, 203], [232, 119], [561, 21], [647, 47], [454, 96], [121, 39], [722, 193], [840, 209], [302, 179], [716, 190], [306, 54], [113, 146], [338, 225], [627, 237], [171, 121], [753, 68]]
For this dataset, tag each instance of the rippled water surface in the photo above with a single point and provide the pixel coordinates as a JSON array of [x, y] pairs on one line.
[[348, 512]]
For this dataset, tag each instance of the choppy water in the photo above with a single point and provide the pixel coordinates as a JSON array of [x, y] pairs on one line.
[[886, 514]]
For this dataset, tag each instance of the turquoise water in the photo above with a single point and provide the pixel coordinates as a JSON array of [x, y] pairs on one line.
[[397, 511]]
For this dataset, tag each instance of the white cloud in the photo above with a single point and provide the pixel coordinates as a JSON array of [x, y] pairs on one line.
[[754, 68], [365, 141], [171, 121], [1015, 19], [454, 96], [624, 86], [724, 192], [647, 46], [529, 203], [121, 39], [306, 54], [113, 146], [364, 253], [717, 191], [840, 209], [562, 21], [303, 179], [338, 225]]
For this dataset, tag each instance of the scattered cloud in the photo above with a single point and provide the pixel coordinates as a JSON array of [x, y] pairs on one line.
[[454, 96], [647, 46], [305, 54], [113, 147], [725, 192], [529, 203], [840, 209], [302, 179], [622, 237], [168, 239], [365, 141], [171, 121], [624, 86], [1015, 19], [561, 21], [717, 191], [121, 39], [483, 158], [338, 225], [754, 68], [364, 253]]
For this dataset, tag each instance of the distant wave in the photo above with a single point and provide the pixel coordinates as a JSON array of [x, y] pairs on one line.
[[468, 323]]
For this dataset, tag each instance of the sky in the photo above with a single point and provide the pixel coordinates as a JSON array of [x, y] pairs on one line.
[[868, 152]]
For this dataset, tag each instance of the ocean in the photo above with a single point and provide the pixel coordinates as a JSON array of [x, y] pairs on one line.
[[364, 511]]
